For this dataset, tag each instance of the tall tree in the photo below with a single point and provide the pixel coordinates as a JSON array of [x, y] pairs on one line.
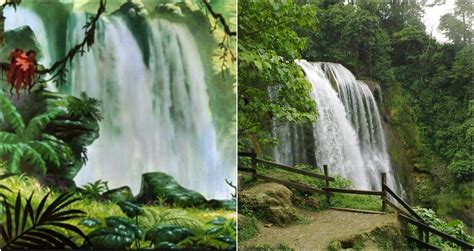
[[268, 47]]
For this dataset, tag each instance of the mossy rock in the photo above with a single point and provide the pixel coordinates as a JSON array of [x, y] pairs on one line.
[[230, 205], [118, 194], [272, 201], [22, 37], [158, 186]]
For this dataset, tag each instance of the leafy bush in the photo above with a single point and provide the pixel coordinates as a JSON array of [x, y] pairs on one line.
[[29, 142], [84, 106], [454, 228], [94, 190]]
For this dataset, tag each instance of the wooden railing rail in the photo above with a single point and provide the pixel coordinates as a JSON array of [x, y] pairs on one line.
[[405, 212]]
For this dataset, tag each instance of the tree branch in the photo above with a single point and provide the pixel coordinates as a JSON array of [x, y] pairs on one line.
[[59, 68], [219, 17]]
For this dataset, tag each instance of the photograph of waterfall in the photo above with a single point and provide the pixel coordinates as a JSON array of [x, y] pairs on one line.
[[118, 124], [355, 125]]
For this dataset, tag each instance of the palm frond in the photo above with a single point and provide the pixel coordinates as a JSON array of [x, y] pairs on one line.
[[39, 122], [9, 138], [11, 114], [40, 227]]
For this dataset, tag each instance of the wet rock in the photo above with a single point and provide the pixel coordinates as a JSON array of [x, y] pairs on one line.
[[272, 200], [158, 186], [118, 194]]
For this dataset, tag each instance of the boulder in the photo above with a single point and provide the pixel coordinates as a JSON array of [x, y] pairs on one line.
[[158, 186], [272, 200], [118, 194]]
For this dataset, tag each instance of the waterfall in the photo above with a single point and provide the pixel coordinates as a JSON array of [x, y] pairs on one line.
[[156, 118], [348, 134]]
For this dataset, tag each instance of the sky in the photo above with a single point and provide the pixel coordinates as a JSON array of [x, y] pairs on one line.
[[431, 19]]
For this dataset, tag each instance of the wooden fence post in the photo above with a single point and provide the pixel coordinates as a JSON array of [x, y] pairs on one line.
[[328, 194], [254, 165], [384, 193]]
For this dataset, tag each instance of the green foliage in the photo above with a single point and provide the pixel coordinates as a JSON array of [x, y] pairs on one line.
[[84, 107], [268, 47], [353, 37], [454, 228], [220, 234], [248, 227], [169, 217], [94, 190], [119, 233], [29, 142], [161, 235], [130, 209], [31, 227]]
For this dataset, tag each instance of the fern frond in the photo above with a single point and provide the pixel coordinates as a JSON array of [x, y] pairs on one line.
[[35, 159], [11, 114], [38, 123], [170, 217], [15, 160], [46, 151], [7, 148], [9, 138]]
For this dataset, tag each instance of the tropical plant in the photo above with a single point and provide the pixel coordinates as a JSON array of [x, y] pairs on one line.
[[42, 226], [169, 217], [84, 106], [94, 190], [4, 188], [220, 235], [29, 141], [119, 232]]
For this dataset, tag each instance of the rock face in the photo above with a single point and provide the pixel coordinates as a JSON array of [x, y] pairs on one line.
[[118, 194], [272, 200], [158, 186]]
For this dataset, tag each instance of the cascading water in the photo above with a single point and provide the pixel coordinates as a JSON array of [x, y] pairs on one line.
[[348, 134], [156, 115], [156, 118]]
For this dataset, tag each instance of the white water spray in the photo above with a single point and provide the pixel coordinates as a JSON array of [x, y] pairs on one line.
[[348, 132]]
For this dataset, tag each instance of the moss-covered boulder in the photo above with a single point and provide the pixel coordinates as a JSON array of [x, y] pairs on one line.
[[158, 186], [22, 37], [118, 194], [272, 201]]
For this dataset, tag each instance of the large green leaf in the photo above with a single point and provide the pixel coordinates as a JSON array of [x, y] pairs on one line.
[[130, 209], [124, 224], [11, 115], [111, 237]]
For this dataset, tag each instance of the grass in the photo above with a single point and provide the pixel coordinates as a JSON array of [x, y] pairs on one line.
[[189, 217]]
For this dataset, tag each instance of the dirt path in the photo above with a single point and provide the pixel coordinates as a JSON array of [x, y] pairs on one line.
[[319, 228]]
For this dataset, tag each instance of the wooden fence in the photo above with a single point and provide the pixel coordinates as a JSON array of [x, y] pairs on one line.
[[405, 212]]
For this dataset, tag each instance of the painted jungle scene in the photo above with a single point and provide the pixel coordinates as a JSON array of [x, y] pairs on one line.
[[118, 124]]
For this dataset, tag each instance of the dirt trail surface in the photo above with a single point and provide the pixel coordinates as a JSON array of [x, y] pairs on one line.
[[319, 228]]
